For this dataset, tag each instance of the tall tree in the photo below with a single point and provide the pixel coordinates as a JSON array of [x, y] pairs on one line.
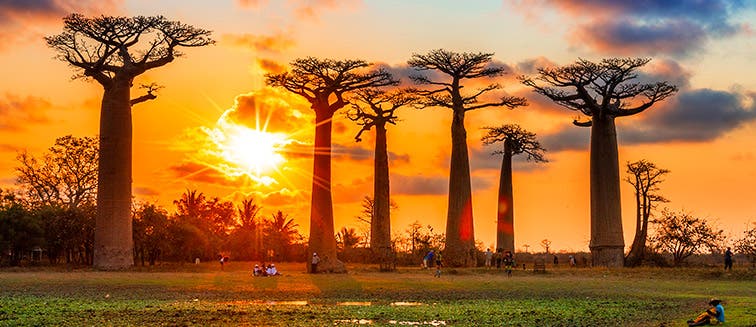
[[246, 239], [366, 216], [516, 141], [447, 93], [747, 244], [375, 108], [113, 51], [602, 91], [325, 83], [645, 178]]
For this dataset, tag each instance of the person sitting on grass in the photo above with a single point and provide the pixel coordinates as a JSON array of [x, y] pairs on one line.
[[257, 271], [272, 271], [712, 316]]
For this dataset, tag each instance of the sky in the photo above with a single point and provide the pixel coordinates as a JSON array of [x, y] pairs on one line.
[[189, 137]]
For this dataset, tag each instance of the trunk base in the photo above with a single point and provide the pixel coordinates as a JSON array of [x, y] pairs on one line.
[[608, 256], [113, 258], [328, 266]]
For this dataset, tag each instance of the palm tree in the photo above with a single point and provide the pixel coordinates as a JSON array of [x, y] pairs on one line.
[[280, 232]]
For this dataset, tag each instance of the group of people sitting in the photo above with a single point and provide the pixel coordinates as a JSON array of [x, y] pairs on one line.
[[261, 270]]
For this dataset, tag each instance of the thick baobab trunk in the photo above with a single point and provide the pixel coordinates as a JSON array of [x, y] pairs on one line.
[[460, 240], [322, 238], [505, 212], [380, 226], [113, 230], [607, 243]]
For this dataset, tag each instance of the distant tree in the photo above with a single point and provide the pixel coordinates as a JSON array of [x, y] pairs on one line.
[[366, 216], [374, 107], [280, 233], [516, 141], [683, 235], [546, 244], [150, 233], [645, 178], [113, 51], [20, 230], [747, 244], [325, 83], [246, 238], [447, 93], [602, 91], [64, 176], [347, 238]]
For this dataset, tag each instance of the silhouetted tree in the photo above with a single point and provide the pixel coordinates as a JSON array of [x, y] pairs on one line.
[[347, 238], [683, 235], [325, 83], [747, 244], [447, 93], [20, 230], [546, 244], [645, 178], [366, 216], [280, 233], [113, 51], [376, 108], [246, 239], [516, 141], [150, 233], [65, 176], [602, 91]]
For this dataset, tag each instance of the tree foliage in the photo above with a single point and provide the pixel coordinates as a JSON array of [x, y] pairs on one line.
[[682, 235], [517, 140], [645, 178], [65, 176], [747, 244]]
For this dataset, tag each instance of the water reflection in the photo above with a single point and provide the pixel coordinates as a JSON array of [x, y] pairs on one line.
[[406, 304], [355, 303]]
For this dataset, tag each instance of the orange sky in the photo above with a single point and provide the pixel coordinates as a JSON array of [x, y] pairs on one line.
[[706, 135]]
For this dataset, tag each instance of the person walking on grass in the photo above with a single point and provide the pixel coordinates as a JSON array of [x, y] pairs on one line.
[[728, 259], [439, 264]]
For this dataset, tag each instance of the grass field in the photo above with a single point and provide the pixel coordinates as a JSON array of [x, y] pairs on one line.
[[203, 295]]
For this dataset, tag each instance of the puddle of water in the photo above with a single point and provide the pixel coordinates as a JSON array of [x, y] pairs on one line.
[[418, 323], [353, 322], [363, 304], [261, 302], [287, 302], [406, 304]]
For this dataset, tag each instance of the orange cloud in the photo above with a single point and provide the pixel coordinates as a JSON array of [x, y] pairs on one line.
[[271, 66], [17, 112], [263, 43], [310, 9]]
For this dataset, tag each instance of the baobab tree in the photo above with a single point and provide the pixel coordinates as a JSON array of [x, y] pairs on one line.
[[645, 178], [516, 141], [447, 93], [325, 83], [602, 91], [375, 108], [113, 51]]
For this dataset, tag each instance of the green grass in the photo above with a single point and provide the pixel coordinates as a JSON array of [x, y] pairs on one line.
[[203, 295]]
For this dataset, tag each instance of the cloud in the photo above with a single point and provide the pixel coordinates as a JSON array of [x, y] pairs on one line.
[[430, 185], [677, 28], [20, 20], [691, 116], [146, 191], [269, 109], [357, 153], [694, 115], [17, 112], [251, 3], [271, 66], [274, 44], [311, 9], [481, 158], [201, 173]]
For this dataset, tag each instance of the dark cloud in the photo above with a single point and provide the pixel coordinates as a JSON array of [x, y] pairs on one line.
[[430, 185], [146, 191], [691, 116], [647, 27], [271, 66], [483, 159], [695, 115], [17, 112], [357, 153], [9, 148], [18, 16]]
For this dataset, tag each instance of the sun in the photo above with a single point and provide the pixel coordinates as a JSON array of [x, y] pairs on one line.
[[251, 151]]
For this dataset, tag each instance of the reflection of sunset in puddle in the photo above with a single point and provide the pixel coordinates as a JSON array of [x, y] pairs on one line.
[[355, 303], [353, 322], [261, 302], [406, 304], [418, 323]]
